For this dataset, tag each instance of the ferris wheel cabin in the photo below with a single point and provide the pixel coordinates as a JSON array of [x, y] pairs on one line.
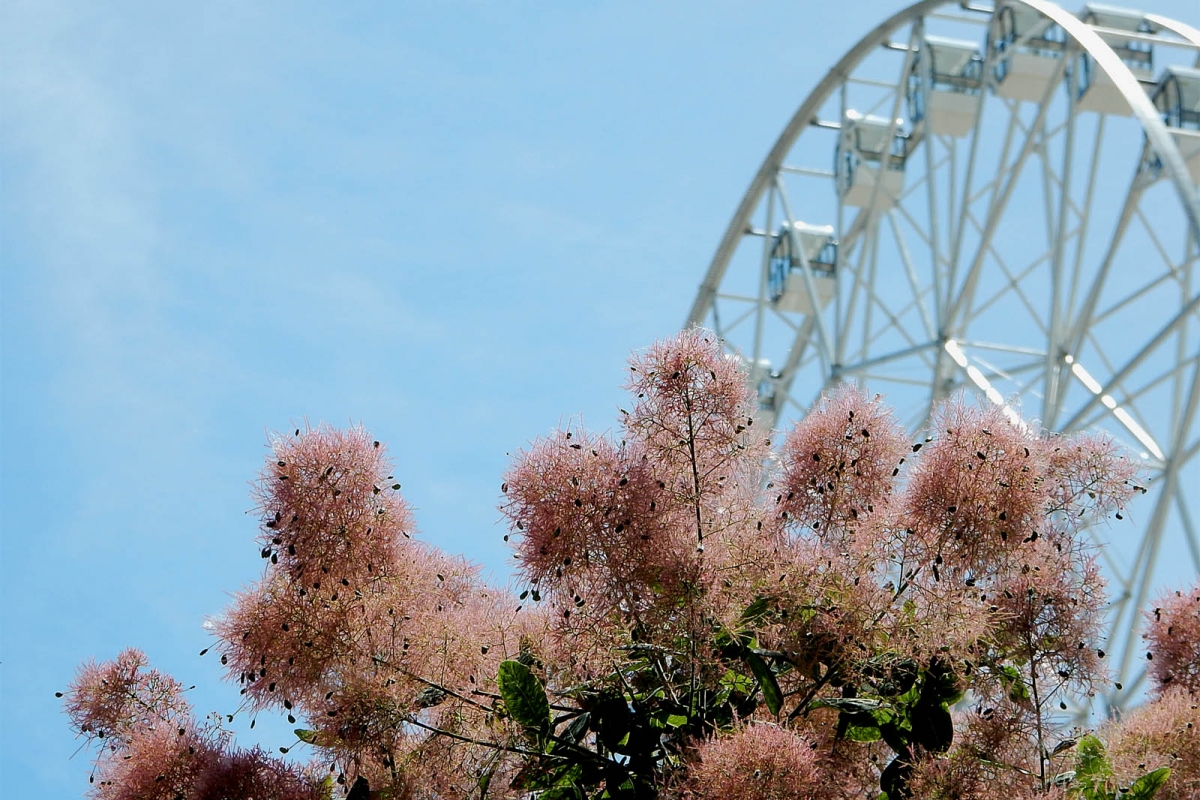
[[1177, 98], [870, 159], [1094, 88], [799, 248], [1027, 51], [944, 86]]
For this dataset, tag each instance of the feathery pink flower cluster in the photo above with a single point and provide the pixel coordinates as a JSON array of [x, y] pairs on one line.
[[840, 466], [979, 490], [1162, 733], [156, 750], [700, 626], [634, 535], [760, 761], [362, 630], [121, 698], [1165, 732], [1173, 633]]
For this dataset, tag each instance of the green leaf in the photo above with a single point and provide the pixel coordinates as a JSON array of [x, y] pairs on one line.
[[361, 790], [863, 733], [485, 781], [612, 721], [524, 696], [310, 737], [578, 728], [932, 726], [563, 784], [894, 778], [941, 683], [1145, 787], [884, 715], [1013, 683], [561, 793], [665, 718], [755, 612], [1091, 766], [737, 682], [325, 787], [766, 679], [852, 705]]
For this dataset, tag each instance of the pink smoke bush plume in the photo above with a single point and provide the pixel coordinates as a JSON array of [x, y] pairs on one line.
[[1173, 633], [695, 615]]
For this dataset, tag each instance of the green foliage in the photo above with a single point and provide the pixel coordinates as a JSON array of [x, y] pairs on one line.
[[1145, 787], [772, 694], [1093, 776], [910, 711], [308, 737], [361, 790], [524, 696]]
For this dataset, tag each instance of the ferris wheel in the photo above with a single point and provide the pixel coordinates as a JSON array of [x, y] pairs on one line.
[[1002, 199]]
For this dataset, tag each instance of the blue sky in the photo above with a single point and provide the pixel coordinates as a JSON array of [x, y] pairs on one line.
[[450, 222]]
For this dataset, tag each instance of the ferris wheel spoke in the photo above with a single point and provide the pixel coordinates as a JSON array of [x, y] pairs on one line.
[[1176, 270], [764, 267], [869, 307], [1145, 570], [997, 206], [1189, 529], [893, 322], [810, 288], [888, 377], [1176, 372], [745, 315], [1083, 319], [934, 241], [1136, 360], [1004, 348], [1085, 215], [910, 273], [1013, 285], [795, 360], [959, 222], [862, 367], [1133, 297], [870, 223]]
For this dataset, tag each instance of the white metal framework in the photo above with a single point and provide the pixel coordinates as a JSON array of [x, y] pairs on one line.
[[1012, 208]]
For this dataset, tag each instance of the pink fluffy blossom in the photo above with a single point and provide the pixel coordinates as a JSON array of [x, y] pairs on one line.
[[118, 699], [1049, 611], [1173, 633], [840, 464], [330, 507], [636, 534], [1163, 733], [155, 750], [667, 585], [757, 762], [162, 764], [1089, 477], [694, 412], [979, 489]]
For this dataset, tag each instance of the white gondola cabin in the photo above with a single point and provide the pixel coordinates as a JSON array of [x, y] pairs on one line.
[[863, 146], [944, 86], [1027, 51], [763, 382], [1094, 89], [795, 246], [1177, 98]]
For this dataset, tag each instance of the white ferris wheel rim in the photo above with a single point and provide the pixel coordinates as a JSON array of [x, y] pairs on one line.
[[1146, 113], [1173, 167]]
